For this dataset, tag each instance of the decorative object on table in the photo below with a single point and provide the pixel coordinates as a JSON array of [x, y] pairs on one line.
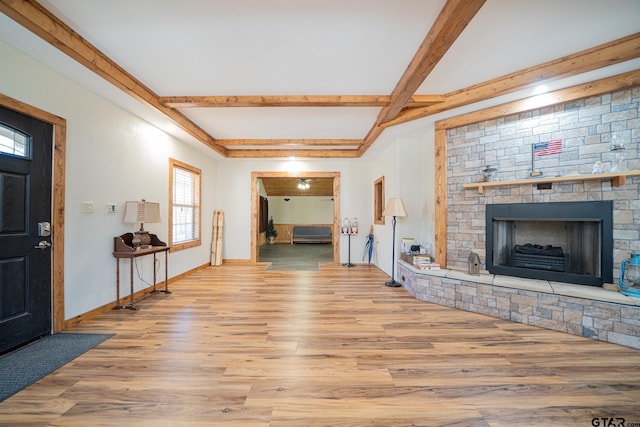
[[489, 173], [598, 167], [405, 245], [474, 264], [616, 147], [369, 247], [629, 281], [395, 208], [141, 212], [540, 149], [271, 233], [216, 241], [349, 227], [425, 249]]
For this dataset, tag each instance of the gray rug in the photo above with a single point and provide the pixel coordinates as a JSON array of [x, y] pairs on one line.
[[23, 367], [300, 256]]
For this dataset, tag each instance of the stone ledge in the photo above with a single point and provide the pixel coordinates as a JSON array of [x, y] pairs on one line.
[[591, 312], [544, 286]]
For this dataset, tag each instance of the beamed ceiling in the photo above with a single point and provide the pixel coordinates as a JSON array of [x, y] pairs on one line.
[[328, 79]]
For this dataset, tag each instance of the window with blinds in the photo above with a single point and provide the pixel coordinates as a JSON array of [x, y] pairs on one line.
[[184, 202]]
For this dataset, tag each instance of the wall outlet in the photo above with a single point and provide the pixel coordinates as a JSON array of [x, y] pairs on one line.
[[87, 207], [111, 208]]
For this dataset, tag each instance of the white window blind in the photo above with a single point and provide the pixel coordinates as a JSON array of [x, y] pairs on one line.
[[185, 206]]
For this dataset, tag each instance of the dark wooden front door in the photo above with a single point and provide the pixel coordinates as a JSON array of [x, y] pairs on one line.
[[25, 249]]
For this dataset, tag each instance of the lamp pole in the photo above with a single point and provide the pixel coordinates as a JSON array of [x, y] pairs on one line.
[[395, 208], [392, 283]]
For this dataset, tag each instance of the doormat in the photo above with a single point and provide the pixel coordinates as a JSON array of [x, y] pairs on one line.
[[23, 367]]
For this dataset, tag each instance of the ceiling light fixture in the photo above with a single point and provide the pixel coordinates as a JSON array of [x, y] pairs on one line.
[[540, 89], [303, 185]]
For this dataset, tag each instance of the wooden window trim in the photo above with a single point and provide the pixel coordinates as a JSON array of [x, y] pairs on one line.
[[173, 163], [378, 201]]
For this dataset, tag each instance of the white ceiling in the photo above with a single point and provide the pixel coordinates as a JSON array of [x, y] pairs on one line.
[[295, 47]]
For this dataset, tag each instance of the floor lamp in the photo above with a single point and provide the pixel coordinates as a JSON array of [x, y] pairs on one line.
[[395, 208]]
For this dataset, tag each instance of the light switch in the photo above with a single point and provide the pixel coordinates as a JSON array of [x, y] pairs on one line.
[[87, 207], [111, 208]]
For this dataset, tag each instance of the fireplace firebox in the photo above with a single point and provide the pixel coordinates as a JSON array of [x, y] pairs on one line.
[[569, 242]]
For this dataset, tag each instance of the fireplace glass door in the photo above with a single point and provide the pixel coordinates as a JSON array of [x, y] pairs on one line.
[[564, 246], [543, 242]]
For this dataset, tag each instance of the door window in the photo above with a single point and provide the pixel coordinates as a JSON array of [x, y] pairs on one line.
[[14, 142]]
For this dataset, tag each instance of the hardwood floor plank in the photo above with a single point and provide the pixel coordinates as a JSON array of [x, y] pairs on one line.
[[238, 345]]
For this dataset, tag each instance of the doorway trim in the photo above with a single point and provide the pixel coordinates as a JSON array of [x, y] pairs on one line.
[[255, 214], [57, 207]]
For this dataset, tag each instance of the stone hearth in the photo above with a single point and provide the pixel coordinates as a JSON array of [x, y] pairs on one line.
[[592, 312]]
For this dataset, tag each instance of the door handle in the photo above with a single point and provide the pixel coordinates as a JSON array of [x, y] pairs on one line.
[[43, 245]]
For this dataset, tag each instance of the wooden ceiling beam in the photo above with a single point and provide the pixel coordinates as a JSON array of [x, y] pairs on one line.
[[617, 51], [302, 142], [45, 25], [284, 153], [595, 88], [452, 20], [293, 101]]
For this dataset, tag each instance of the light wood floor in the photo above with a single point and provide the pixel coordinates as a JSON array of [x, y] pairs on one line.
[[240, 346]]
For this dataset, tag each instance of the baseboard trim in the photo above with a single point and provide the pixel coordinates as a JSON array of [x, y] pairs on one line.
[[69, 323]]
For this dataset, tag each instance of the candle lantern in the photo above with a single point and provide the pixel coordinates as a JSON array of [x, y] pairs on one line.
[[630, 276]]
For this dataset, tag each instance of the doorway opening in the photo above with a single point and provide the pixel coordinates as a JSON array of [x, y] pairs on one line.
[[334, 178]]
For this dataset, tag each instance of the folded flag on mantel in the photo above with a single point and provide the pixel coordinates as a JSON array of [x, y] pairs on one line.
[[547, 148]]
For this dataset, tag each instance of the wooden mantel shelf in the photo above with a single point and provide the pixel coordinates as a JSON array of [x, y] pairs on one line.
[[617, 179]]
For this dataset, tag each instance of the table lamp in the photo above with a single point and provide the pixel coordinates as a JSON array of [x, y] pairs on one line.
[[141, 211]]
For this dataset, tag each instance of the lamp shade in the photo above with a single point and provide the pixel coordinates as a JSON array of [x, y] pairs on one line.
[[395, 207], [141, 211]]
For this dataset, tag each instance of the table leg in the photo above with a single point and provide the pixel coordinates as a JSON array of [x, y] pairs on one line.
[[118, 306], [154, 274], [131, 305], [166, 273]]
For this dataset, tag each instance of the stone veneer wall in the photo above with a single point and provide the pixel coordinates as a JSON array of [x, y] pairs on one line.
[[585, 128], [578, 310]]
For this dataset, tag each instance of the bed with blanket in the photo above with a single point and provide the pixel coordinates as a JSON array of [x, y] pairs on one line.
[[311, 234]]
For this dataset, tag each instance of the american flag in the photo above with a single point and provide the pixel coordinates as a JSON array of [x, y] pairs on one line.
[[547, 148]]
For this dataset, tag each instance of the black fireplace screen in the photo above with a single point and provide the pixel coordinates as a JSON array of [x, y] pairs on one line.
[[566, 242]]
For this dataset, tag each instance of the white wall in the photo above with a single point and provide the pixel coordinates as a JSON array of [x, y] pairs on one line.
[[407, 167], [112, 156], [234, 195], [301, 209]]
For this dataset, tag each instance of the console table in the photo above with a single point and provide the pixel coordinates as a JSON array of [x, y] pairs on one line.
[[123, 248]]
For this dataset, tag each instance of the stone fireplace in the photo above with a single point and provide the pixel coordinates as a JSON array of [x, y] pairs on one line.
[[592, 244], [569, 242]]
